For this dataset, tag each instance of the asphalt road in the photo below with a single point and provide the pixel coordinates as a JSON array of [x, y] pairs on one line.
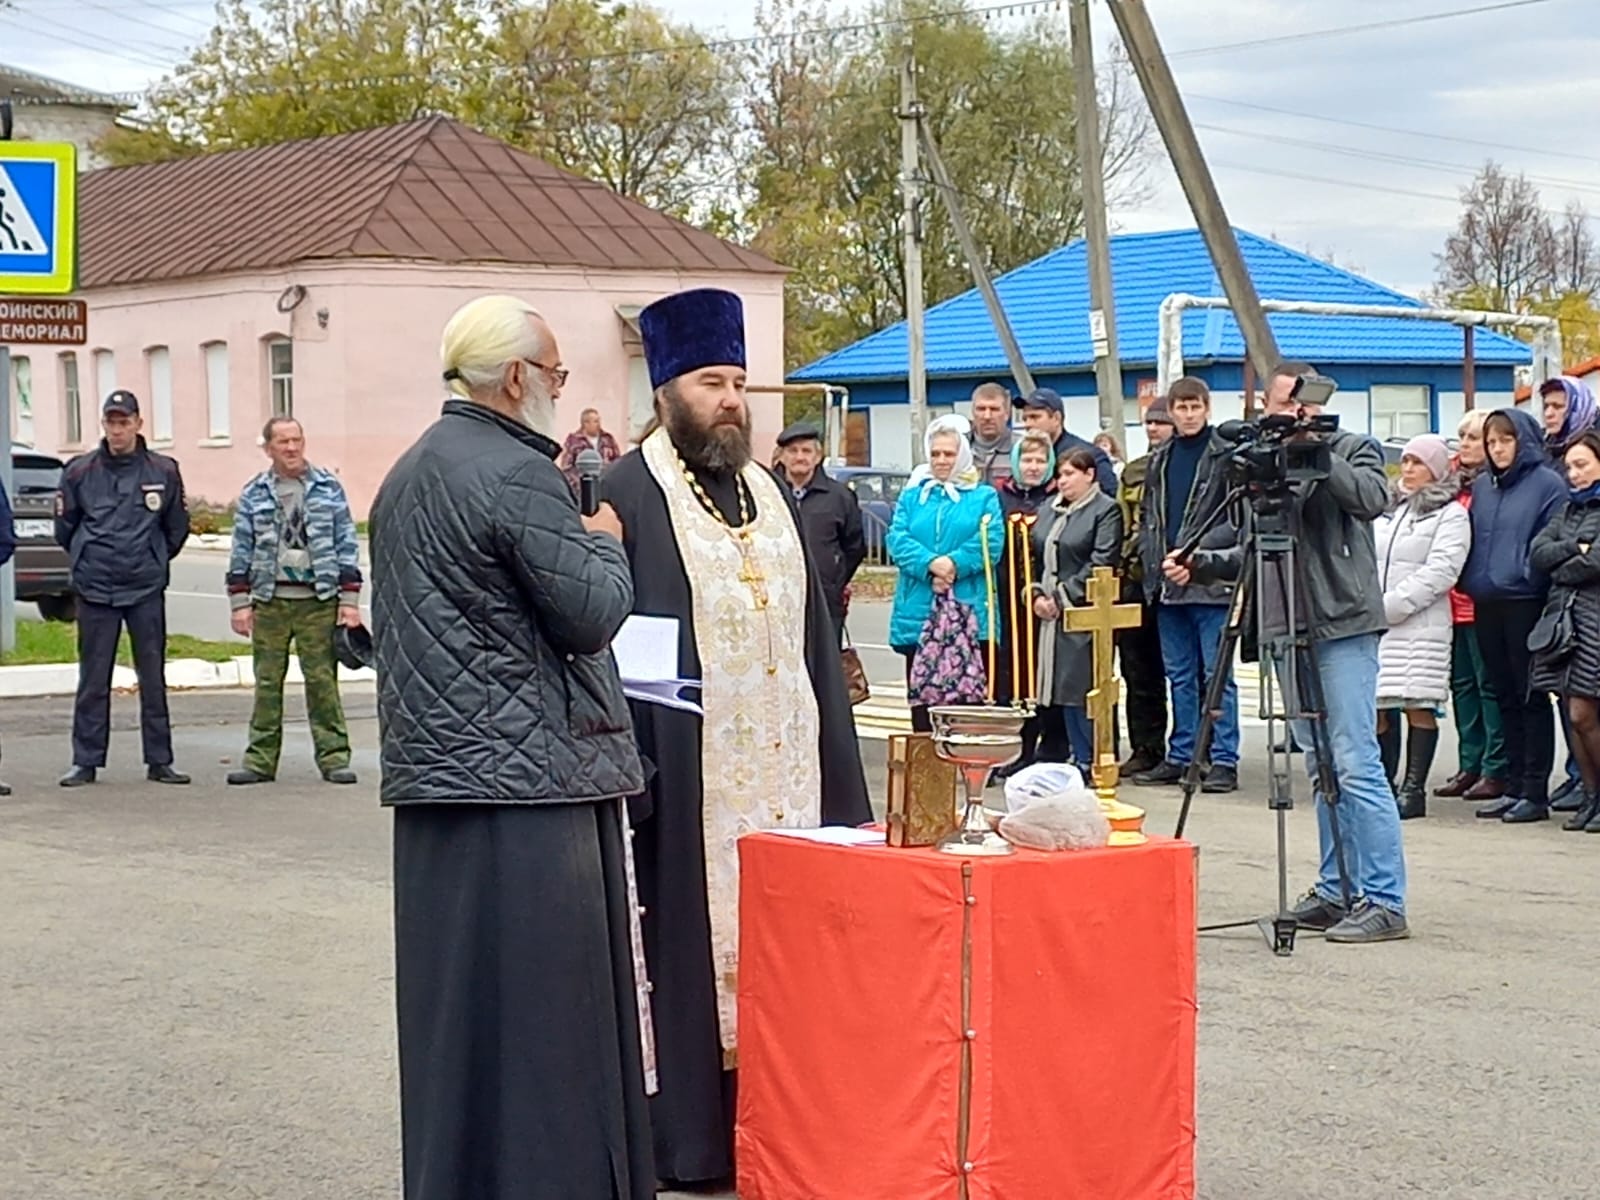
[[196, 993], [197, 605]]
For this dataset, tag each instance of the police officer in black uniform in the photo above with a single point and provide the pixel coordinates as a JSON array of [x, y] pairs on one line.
[[121, 516]]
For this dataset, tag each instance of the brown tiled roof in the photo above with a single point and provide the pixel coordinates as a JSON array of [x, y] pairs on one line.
[[432, 190]]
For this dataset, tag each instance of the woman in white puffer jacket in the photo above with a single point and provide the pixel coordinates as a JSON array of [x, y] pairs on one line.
[[1422, 544]]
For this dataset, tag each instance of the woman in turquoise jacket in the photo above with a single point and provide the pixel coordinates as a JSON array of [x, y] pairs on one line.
[[946, 535]]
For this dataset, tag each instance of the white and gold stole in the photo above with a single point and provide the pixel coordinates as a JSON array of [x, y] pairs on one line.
[[759, 763]]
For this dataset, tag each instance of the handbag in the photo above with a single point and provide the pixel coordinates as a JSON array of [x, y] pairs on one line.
[[1553, 637], [856, 684], [947, 667]]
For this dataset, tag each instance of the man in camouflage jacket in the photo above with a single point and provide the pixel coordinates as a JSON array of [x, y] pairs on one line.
[[294, 577]]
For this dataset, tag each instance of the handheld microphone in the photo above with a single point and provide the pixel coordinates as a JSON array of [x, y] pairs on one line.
[[588, 464]]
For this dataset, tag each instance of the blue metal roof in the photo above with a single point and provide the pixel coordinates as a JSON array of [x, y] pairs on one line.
[[1047, 302]]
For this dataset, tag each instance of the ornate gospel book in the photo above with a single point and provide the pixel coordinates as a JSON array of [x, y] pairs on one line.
[[922, 791]]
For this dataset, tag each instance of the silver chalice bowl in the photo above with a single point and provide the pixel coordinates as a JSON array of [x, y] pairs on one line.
[[977, 739]]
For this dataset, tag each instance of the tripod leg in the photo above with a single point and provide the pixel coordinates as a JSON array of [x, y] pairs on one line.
[[1216, 688]]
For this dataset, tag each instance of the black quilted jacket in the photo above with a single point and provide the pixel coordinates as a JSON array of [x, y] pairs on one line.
[[492, 617]]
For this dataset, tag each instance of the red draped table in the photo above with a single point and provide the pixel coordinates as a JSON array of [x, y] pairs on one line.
[[921, 1026]]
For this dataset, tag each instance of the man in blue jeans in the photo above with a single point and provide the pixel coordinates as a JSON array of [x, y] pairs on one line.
[[1340, 607], [1186, 480]]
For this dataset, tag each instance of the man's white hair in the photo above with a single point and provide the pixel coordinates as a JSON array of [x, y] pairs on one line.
[[484, 337]]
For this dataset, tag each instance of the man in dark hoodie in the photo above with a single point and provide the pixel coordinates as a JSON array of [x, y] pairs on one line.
[[1042, 409], [1340, 609]]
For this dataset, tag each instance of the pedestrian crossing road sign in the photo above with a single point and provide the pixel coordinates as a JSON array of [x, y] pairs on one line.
[[38, 218]]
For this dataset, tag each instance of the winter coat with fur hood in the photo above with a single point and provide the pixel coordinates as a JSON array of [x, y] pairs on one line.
[[1422, 544]]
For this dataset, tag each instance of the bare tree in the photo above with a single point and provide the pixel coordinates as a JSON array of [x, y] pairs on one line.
[[1501, 254], [1575, 257]]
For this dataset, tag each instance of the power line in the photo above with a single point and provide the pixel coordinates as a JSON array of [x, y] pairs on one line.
[[76, 38], [1386, 157], [1287, 39], [1352, 183], [1440, 137]]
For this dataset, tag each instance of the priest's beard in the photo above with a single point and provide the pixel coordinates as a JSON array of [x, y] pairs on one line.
[[537, 409], [723, 445]]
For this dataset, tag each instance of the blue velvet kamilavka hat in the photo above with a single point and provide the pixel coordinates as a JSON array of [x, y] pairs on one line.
[[690, 330]]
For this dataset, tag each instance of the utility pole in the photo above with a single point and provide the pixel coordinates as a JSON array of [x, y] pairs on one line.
[[974, 257], [1091, 164], [911, 219], [1166, 106]]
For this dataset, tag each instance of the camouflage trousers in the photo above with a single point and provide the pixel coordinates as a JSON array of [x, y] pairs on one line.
[[308, 626]]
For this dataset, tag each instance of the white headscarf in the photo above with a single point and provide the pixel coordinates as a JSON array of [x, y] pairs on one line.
[[964, 475]]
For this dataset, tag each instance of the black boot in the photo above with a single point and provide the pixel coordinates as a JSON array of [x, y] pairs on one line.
[[1420, 745], [1389, 749]]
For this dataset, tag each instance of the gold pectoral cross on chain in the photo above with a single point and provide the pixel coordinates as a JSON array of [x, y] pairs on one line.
[[750, 573]]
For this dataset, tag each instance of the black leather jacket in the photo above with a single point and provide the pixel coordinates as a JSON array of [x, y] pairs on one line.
[[493, 612]]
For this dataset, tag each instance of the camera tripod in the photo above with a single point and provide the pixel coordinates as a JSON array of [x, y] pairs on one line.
[[1271, 542]]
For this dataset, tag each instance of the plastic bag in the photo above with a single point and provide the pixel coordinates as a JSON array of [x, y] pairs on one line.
[[1051, 809]]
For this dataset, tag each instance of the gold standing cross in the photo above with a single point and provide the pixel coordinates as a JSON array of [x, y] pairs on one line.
[[1100, 618]]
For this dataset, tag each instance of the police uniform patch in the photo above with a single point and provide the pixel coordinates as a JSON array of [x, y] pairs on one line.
[[152, 498]]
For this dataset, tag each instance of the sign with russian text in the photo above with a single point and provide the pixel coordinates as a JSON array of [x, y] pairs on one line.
[[43, 322]]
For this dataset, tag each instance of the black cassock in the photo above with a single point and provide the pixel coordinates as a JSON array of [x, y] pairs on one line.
[[692, 1115]]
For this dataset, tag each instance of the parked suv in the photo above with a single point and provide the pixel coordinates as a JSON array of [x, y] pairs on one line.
[[42, 568]]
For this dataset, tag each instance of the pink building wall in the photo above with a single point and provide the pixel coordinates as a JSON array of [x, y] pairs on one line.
[[366, 369]]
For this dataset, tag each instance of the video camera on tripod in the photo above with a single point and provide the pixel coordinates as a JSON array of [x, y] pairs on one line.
[[1283, 449]]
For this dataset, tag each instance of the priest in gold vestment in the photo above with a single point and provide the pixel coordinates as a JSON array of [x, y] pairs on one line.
[[714, 542]]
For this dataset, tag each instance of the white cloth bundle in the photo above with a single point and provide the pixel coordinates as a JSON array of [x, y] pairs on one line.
[[1049, 808]]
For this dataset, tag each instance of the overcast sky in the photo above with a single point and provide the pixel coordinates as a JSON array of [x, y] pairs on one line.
[[1409, 111]]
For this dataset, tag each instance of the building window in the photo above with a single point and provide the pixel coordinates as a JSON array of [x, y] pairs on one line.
[[71, 407], [217, 397], [105, 375], [1400, 410], [280, 373], [22, 390], [158, 363]]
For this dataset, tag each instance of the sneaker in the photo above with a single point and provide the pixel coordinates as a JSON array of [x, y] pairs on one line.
[[1164, 774], [1221, 779], [1315, 911], [1369, 923], [244, 777]]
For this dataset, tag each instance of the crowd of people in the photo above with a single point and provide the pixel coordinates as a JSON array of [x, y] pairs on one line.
[[566, 871], [1464, 582]]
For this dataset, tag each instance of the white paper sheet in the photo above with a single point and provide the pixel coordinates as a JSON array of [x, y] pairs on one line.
[[646, 650], [836, 835]]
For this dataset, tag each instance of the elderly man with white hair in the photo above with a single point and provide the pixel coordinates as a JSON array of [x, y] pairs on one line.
[[506, 752]]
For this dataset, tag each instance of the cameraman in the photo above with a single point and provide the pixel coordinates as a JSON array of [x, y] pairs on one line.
[[1340, 606]]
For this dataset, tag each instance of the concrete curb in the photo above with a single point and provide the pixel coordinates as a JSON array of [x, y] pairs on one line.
[[183, 675]]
